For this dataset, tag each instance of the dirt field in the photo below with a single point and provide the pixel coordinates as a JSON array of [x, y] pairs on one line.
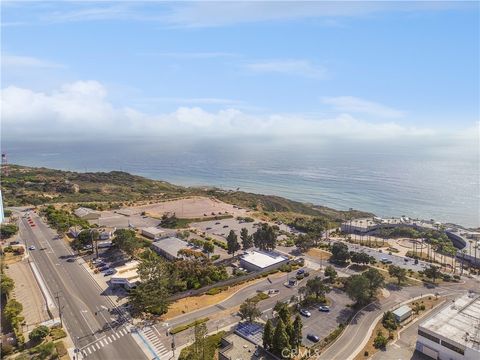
[[193, 303], [194, 207], [28, 293], [319, 254]]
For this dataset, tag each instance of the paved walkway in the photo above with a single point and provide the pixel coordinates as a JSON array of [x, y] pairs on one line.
[[28, 293]]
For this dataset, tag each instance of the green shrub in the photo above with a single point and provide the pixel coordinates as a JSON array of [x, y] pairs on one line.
[[216, 290], [181, 328], [214, 257], [380, 340], [6, 349], [57, 332], [39, 333]]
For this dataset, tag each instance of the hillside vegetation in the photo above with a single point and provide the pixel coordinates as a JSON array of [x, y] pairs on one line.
[[37, 186]]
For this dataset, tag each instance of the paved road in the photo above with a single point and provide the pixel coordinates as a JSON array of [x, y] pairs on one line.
[[99, 336]]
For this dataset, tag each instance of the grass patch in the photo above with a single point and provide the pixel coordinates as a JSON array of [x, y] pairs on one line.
[[216, 290], [61, 349], [57, 333], [259, 297], [181, 328]]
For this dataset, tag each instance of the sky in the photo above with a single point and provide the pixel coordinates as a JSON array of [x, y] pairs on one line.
[[349, 70]]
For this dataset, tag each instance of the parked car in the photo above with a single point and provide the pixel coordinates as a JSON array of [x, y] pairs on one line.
[[100, 264], [313, 337], [71, 259], [305, 312], [405, 259], [208, 228], [103, 268], [324, 308], [301, 272], [14, 242], [31, 247], [109, 272], [416, 261], [225, 226]]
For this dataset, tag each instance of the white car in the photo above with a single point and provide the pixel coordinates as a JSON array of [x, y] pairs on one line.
[[31, 247], [305, 312]]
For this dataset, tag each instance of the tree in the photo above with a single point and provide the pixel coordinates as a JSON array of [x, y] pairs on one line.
[[126, 241], [398, 272], [296, 338], [6, 284], [151, 295], [360, 258], [380, 340], [247, 240], [432, 272], [357, 288], [208, 247], [389, 322], [331, 273], [340, 253], [375, 279], [283, 312], [317, 287], [304, 242], [249, 311], [87, 237], [8, 230], [265, 238], [200, 342], [268, 335], [39, 333], [280, 338], [232, 243]]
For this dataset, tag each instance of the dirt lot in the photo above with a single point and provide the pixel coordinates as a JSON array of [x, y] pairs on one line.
[[28, 293], [319, 254], [195, 207]]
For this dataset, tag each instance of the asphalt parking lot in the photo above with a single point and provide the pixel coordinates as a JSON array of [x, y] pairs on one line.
[[323, 323]]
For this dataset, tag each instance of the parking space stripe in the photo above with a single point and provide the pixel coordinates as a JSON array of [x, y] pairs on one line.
[[89, 350], [98, 346]]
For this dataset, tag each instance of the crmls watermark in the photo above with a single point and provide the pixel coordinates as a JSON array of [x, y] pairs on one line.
[[293, 353]]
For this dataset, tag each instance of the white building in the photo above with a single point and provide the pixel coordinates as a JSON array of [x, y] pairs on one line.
[[126, 275], [402, 313], [454, 332], [259, 260], [152, 232], [87, 214]]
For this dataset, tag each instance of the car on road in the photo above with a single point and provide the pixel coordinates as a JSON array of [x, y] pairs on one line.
[[225, 226], [324, 308], [386, 261], [305, 312], [217, 223], [273, 291], [109, 272], [405, 259], [208, 228], [31, 247], [313, 338]]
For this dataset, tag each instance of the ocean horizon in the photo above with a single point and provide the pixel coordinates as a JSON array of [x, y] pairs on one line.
[[430, 183]]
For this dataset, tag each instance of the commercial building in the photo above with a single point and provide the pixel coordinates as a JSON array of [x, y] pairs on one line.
[[152, 232], [169, 247], [259, 260], [87, 214], [454, 332], [126, 275], [402, 313]]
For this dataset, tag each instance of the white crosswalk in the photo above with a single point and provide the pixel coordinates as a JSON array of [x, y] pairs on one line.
[[154, 340], [97, 345]]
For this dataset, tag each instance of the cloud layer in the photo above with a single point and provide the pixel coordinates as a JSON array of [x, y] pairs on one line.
[[82, 109]]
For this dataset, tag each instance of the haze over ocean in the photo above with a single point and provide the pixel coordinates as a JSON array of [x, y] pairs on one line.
[[430, 182]]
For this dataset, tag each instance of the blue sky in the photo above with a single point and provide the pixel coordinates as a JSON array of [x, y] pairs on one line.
[[334, 68]]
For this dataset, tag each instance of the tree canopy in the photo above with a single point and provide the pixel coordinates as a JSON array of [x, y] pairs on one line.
[[265, 238]]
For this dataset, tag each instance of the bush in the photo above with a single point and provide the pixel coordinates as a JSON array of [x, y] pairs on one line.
[[365, 353], [8, 230], [6, 349], [43, 351], [57, 333], [214, 257], [61, 349], [380, 340], [216, 290], [39, 333]]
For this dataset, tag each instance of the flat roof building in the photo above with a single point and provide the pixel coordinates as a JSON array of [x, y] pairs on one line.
[[402, 313], [87, 214], [126, 275], [259, 260], [454, 332], [169, 247], [152, 232]]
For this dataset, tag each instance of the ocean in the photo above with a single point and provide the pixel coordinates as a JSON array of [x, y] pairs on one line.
[[431, 182]]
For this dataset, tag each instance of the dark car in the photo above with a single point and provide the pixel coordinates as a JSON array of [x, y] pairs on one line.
[[313, 337], [14, 242], [324, 308], [71, 260], [301, 272], [103, 268]]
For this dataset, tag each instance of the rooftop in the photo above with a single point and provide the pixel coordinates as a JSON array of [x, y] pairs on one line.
[[263, 259], [170, 245], [402, 310], [459, 322], [153, 230]]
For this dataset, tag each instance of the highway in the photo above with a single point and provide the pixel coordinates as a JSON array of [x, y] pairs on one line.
[[96, 328]]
